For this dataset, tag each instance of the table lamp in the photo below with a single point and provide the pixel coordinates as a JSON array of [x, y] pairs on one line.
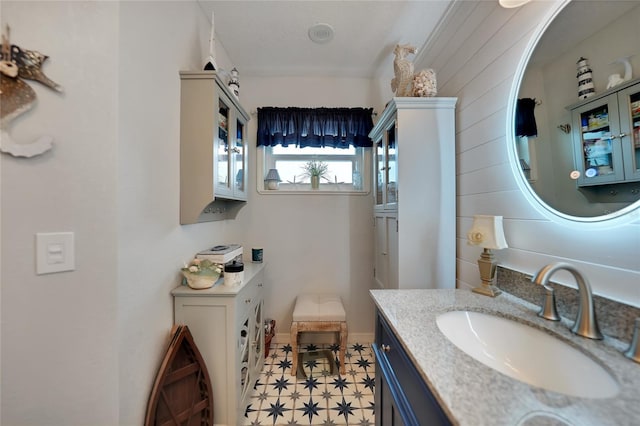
[[487, 232], [272, 179]]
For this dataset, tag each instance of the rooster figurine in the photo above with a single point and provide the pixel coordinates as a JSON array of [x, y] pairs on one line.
[[403, 70]]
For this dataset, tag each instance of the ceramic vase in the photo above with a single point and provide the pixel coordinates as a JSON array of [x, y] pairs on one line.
[[315, 182]]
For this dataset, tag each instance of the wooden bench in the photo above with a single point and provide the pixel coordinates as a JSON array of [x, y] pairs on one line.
[[318, 313]]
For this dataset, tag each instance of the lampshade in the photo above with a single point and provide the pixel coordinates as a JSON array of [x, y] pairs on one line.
[[273, 175], [487, 232]]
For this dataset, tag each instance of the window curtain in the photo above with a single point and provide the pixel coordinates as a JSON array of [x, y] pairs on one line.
[[525, 117], [315, 127]]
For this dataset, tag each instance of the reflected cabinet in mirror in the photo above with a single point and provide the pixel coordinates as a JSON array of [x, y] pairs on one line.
[[577, 116]]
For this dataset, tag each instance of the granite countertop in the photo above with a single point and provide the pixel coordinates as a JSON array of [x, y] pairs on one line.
[[474, 394]]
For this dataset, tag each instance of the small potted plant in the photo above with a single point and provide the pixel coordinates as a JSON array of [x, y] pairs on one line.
[[201, 274], [315, 170]]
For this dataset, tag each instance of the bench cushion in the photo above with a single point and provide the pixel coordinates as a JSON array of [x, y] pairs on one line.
[[318, 307]]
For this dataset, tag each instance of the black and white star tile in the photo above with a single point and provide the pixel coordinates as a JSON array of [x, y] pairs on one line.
[[320, 399]]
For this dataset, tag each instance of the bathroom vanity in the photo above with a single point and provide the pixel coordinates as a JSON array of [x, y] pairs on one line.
[[423, 378]]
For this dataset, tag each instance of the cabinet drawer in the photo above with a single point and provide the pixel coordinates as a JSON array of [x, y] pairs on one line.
[[408, 388]]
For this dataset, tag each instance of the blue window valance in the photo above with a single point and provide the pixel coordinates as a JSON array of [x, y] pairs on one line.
[[315, 127]]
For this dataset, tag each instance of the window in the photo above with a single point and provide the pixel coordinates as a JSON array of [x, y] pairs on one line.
[[290, 138], [345, 168]]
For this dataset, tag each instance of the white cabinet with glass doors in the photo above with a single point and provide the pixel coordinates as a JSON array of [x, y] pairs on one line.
[[213, 144], [227, 325], [414, 193], [606, 136]]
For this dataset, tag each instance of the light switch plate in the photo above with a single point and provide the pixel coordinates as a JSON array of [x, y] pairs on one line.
[[55, 252]]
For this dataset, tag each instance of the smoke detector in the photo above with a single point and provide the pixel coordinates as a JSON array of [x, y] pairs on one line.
[[321, 33]]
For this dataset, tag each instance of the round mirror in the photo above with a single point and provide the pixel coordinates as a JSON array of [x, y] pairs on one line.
[[577, 115]]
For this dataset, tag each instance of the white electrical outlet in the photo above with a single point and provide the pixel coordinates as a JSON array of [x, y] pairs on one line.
[[55, 252]]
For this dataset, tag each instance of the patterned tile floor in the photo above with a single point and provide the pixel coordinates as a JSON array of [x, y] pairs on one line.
[[320, 399]]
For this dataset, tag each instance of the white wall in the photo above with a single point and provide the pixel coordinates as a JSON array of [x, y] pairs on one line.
[[59, 334], [156, 40], [84, 347], [312, 243], [476, 58]]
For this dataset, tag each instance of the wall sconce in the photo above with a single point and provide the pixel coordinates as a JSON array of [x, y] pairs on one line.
[[487, 232], [273, 179]]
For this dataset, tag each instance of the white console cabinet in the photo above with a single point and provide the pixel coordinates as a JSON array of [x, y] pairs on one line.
[[227, 326], [414, 193]]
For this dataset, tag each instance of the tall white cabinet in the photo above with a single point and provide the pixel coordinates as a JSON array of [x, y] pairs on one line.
[[415, 194], [227, 326]]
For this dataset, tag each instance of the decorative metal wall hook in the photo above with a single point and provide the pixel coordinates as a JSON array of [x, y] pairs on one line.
[[566, 128]]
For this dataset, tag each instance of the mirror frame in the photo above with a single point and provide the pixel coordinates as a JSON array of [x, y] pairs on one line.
[[621, 216]]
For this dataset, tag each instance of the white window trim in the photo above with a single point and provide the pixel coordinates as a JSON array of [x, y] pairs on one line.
[[305, 188]]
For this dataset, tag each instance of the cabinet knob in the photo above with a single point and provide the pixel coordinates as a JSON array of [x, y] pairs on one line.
[[385, 348]]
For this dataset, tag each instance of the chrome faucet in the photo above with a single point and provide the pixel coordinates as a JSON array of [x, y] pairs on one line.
[[586, 324]]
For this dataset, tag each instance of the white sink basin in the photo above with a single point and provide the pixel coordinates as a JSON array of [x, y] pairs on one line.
[[527, 354]]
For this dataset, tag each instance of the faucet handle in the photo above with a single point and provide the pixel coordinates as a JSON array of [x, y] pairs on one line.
[[549, 310], [633, 352]]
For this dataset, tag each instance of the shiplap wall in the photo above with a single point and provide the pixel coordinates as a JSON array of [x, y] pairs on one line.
[[477, 53]]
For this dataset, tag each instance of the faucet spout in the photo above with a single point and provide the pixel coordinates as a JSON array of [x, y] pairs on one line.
[[586, 324]]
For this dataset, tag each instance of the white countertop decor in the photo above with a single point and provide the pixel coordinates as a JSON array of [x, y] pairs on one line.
[[218, 288], [474, 394]]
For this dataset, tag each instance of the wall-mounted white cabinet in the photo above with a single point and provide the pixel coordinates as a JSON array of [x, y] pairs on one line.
[[227, 326], [213, 148], [606, 136], [414, 196]]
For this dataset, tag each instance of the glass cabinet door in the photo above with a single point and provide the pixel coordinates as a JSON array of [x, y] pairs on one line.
[[380, 160], [221, 154], [386, 170], [629, 101], [244, 358], [392, 167], [239, 158], [598, 155], [258, 338]]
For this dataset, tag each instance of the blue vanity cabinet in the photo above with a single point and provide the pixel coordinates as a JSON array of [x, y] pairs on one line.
[[402, 398]]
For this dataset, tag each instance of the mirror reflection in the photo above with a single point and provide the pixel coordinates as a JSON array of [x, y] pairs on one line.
[[577, 126]]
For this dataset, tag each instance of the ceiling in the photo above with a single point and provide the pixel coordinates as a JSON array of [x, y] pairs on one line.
[[269, 37]]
